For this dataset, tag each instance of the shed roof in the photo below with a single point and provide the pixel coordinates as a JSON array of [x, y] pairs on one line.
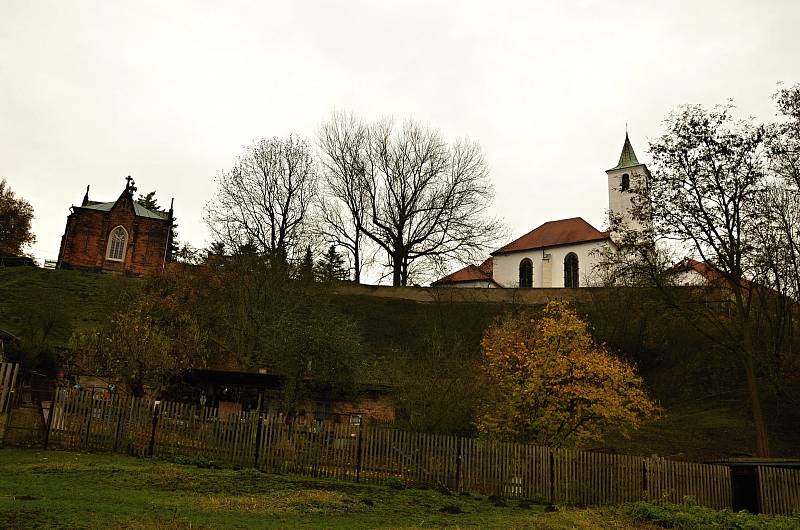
[[555, 233], [6, 336]]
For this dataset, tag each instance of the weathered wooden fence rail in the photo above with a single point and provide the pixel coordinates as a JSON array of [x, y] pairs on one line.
[[373, 454]]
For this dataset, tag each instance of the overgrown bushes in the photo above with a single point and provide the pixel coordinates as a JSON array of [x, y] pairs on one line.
[[688, 515]]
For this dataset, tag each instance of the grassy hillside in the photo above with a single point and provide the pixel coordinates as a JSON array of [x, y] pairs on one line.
[[36, 301], [411, 344]]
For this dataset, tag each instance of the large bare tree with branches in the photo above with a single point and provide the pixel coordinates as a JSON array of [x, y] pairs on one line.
[[422, 201], [265, 200], [344, 203]]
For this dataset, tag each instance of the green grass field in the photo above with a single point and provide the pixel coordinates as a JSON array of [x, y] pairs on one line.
[[75, 490], [59, 489]]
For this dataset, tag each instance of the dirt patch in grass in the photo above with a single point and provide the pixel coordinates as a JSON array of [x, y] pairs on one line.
[[290, 502]]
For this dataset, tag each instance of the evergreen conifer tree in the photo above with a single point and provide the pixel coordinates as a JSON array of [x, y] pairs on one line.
[[149, 201], [331, 267]]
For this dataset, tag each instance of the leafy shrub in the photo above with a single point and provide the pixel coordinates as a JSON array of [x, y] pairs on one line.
[[394, 483], [197, 461], [688, 515]]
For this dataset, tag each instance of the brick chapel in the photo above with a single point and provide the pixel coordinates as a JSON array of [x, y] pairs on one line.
[[121, 236]]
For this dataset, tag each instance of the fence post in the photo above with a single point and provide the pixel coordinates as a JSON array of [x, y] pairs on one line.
[[552, 477], [50, 418], [90, 410], [358, 455], [259, 428], [117, 432], [459, 456], [644, 478], [152, 446]]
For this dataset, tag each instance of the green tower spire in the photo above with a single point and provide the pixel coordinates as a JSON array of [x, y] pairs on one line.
[[627, 158]]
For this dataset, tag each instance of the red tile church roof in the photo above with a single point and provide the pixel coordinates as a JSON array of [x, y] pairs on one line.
[[555, 233], [470, 273]]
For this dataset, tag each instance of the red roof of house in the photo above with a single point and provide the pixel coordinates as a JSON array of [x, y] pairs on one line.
[[705, 270], [470, 273], [555, 233]]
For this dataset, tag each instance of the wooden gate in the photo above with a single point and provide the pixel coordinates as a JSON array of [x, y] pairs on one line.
[[26, 404]]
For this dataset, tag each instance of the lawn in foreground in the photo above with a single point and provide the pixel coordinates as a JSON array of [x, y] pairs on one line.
[[56, 489]]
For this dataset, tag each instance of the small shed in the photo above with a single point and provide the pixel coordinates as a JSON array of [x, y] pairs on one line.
[[746, 477], [235, 391]]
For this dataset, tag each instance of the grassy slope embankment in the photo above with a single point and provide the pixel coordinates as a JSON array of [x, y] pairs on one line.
[[32, 299], [697, 423]]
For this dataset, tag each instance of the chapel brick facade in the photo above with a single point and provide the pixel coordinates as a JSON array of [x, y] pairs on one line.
[[121, 236]]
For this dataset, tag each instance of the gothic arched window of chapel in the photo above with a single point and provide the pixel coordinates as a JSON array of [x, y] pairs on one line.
[[116, 244]]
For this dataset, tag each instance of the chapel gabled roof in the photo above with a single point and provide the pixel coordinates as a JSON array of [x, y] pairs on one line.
[[555, 233], [628, 157], [127, 194], [138, 209]]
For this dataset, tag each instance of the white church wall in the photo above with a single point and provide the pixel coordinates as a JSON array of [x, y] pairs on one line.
[[690, 277], [506, 266]]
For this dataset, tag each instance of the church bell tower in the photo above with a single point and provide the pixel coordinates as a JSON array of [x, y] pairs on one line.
[[628, 175]]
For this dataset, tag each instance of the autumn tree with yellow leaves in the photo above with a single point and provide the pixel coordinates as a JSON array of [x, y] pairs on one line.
[[548, 382]]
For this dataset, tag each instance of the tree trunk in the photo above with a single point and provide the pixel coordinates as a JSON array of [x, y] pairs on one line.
[[396, 276], [356, 262], [762, 442], [397, 268]]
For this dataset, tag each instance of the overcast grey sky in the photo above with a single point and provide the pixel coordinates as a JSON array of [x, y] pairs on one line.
[[170, 91]]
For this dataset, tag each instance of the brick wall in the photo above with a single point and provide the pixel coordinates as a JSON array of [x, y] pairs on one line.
[[85, 240]]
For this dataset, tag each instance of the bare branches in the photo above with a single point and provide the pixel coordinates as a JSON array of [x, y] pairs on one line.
[[343, 206], [420, 200], [265, 199]]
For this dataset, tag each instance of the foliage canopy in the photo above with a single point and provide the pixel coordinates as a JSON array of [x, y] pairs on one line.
[[550, 384], [16, 215]]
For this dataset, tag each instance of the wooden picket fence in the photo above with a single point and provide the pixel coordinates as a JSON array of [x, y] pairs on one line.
[[779, 490], [8, 379], [375, 454]]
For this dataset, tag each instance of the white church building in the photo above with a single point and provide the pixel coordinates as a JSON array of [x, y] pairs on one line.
[[562, 253]]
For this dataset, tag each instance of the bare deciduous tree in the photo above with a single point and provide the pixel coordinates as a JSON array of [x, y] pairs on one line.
[[344, 205], [265, 199], [420, 200], [429, 201]]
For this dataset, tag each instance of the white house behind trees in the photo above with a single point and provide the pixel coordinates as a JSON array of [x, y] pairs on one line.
[[562, 253]]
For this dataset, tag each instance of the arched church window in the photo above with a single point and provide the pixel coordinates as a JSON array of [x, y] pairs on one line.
[[526, 273], [571, 270], [626, 182], [116, 244]]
